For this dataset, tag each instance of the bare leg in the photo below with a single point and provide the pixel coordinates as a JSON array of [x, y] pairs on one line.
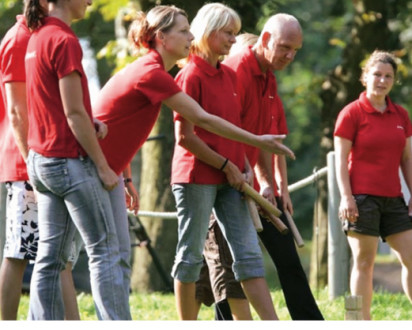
[[402, 243], [257, 292], [186, 303], [364, 249], [71, 309], [11, 280], [240, 309]]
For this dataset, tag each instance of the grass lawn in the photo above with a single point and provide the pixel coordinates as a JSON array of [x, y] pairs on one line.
[[161, 307]]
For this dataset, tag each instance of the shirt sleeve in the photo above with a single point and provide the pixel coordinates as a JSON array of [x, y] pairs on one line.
[[190, 85], [12, 64], [67, 57], [407, 122], [157, 86], [345, 126]]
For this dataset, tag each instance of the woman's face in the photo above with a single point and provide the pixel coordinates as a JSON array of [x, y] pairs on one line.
[[221, 41], [379, 79], [178, 39], [78, 8]]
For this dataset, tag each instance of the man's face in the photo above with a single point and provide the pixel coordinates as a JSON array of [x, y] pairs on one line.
[[281, 49]]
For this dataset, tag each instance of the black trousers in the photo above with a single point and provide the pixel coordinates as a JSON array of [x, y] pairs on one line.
[[296, 290]]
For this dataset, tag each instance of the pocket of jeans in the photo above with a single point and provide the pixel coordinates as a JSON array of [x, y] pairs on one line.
[[54, 174]]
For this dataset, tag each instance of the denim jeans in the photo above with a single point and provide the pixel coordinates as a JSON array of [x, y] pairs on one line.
[[118, 203], [195, 203], [71, 195]]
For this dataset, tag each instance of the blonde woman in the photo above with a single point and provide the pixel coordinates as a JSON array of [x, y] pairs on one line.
[[208, 171]]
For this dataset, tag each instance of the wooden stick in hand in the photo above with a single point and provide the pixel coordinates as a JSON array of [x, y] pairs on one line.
[[272, 211], [254, 214], [298, 239]]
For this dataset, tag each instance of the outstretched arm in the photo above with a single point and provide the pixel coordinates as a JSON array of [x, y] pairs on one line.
[[264, 176], [186, 138], [191, 110], [281, 175]]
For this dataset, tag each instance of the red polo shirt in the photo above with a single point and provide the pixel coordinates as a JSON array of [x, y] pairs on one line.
[[279, 126], [53, 53], [129, 104], [378, 142], [214, 89], [257, 96], [12, 51]]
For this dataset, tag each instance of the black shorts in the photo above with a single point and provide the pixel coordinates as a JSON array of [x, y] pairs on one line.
[[379, 216], [217, 281]]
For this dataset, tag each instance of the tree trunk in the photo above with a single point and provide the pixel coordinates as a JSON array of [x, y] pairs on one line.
[[370, 31], [156, 195]]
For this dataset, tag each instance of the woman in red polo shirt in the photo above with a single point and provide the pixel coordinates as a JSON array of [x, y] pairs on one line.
[[130, 101], [372, 140], [207, 170], [67, 167]]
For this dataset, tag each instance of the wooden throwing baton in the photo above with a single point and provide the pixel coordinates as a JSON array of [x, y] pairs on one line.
[[272, 211], [254, 214], [295, 232]]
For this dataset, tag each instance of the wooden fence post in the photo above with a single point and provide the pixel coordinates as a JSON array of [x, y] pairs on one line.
[[353, 308]]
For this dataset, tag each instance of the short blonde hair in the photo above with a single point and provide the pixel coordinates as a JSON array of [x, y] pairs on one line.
[[211, 17], [243, 40]]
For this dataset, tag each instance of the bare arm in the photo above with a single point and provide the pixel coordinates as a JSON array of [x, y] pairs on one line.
[[101, 128], [17, 112], [406, 167], [81, 125], [132, 196], [190, 110], [281, 174], [264, 175], [185, 137], [348, 209]]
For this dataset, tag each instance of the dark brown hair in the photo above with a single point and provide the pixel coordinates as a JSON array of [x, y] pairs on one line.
[[35, 13]]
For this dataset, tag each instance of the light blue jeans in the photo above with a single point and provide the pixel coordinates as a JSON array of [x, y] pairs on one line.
[[70, 195], [195, 203], [118, 203]]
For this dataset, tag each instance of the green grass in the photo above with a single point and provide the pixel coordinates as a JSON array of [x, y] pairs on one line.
[[161, 307]]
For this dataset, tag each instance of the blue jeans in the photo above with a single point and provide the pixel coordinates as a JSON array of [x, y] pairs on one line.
[[195, 203], [118, 203], [70, 195]]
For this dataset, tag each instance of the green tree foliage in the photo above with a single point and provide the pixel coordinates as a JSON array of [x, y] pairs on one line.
[[8, 11]]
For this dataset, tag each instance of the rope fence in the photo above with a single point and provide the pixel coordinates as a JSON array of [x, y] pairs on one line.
[[293, 187]]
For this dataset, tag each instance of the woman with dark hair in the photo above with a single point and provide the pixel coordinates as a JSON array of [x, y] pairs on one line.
[[130, 101], [372, 141], [22, 231], [67, 167]]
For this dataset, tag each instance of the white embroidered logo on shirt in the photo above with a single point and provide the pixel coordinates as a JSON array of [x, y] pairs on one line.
[[400, 127], [30, 55]]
